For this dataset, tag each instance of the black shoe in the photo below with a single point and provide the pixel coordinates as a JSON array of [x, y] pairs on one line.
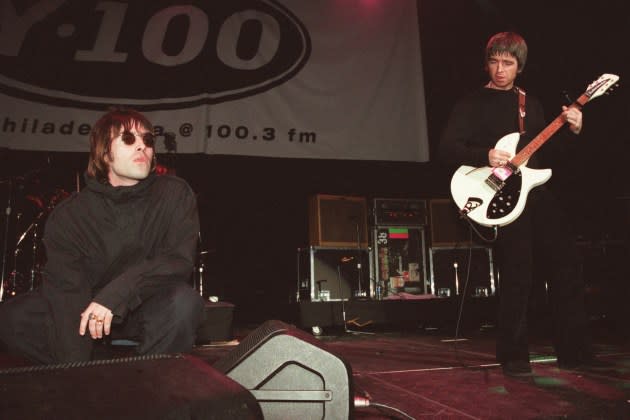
[[517, 368]]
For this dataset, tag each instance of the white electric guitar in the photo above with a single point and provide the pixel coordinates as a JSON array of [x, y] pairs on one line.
[[497, 196]]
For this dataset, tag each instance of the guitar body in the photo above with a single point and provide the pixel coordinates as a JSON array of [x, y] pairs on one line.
[[483, 203], [497, 196]]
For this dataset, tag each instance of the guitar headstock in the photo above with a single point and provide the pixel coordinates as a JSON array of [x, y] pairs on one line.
[[601, 85]]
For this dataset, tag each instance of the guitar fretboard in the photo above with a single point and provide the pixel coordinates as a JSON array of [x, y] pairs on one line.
[[527, 151]]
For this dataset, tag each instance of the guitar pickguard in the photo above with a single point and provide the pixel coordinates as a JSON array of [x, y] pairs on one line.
[[506, 198]]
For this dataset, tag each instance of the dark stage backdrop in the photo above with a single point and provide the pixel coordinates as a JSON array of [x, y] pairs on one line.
[[254, 210], [571, 43]]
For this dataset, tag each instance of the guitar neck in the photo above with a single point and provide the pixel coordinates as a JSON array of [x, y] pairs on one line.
[[531, 147]]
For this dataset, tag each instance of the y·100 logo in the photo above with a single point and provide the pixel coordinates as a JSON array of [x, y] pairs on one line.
[[151, 54]]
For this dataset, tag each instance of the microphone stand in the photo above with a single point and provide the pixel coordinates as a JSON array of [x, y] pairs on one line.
[[359, 265], [360, 289], [343, 308], [5, 242], [461, 302], [35, 269]]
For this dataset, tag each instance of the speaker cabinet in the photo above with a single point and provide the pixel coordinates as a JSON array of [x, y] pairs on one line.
[[290, 374], [217, 325], [337, 221], [447, 228], [449, 269]]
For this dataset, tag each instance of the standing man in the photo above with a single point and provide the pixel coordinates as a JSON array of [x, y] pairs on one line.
[[477, 122], [119, 255]]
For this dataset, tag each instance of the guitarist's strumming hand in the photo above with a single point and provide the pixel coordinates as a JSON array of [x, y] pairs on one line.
[[498, 157], [573, 117]]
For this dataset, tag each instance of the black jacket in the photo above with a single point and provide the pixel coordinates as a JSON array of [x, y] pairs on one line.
[[115, 246]]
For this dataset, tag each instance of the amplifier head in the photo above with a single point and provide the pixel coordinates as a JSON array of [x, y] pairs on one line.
[[403, 212]]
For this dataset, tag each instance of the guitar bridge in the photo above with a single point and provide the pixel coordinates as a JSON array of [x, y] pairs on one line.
[[494, 182]]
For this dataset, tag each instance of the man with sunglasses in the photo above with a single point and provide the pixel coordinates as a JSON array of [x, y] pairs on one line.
[[120, 254]]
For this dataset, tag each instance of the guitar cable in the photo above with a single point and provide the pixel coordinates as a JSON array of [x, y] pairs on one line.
[[495, 229], [460, 311]]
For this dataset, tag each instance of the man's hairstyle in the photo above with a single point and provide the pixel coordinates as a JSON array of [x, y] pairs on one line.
[[107, 128], [507, 42]]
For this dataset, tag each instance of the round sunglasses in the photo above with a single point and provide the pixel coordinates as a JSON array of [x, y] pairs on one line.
[[129, 138]]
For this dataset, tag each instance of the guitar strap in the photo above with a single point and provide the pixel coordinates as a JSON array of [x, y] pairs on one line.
[[521, 109]]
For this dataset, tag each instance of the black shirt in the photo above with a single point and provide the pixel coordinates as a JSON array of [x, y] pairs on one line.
[[480, 119]]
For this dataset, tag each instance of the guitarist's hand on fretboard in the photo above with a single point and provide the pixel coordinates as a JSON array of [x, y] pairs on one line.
[[573, 117], [498, 157]]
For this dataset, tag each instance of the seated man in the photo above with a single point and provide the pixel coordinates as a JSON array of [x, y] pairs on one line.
[[119, 253]]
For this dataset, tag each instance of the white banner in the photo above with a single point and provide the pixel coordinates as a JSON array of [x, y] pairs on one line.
[[289, 78]]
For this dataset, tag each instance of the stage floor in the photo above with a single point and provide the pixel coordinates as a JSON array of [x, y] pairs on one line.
[[425, 374]]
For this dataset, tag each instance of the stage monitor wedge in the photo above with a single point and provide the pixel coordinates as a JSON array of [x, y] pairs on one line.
[[290, 374], [142, 387]]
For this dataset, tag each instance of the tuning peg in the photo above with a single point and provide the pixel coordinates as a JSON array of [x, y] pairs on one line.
[[612, 89]]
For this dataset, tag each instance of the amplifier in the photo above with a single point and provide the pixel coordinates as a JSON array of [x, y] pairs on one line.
[[337, 221], [447, 228], [400, 212], [399, 259]]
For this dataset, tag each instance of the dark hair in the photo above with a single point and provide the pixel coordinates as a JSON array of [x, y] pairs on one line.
[[110, 125], [507, 42]]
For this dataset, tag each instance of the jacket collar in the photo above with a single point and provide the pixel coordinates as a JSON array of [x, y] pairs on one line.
[[119, 194]]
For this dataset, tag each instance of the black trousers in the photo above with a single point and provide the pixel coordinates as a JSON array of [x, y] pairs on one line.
[[164, 323], [541, 237]]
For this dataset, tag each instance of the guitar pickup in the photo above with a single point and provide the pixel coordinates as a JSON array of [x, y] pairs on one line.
[[497, 178]]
